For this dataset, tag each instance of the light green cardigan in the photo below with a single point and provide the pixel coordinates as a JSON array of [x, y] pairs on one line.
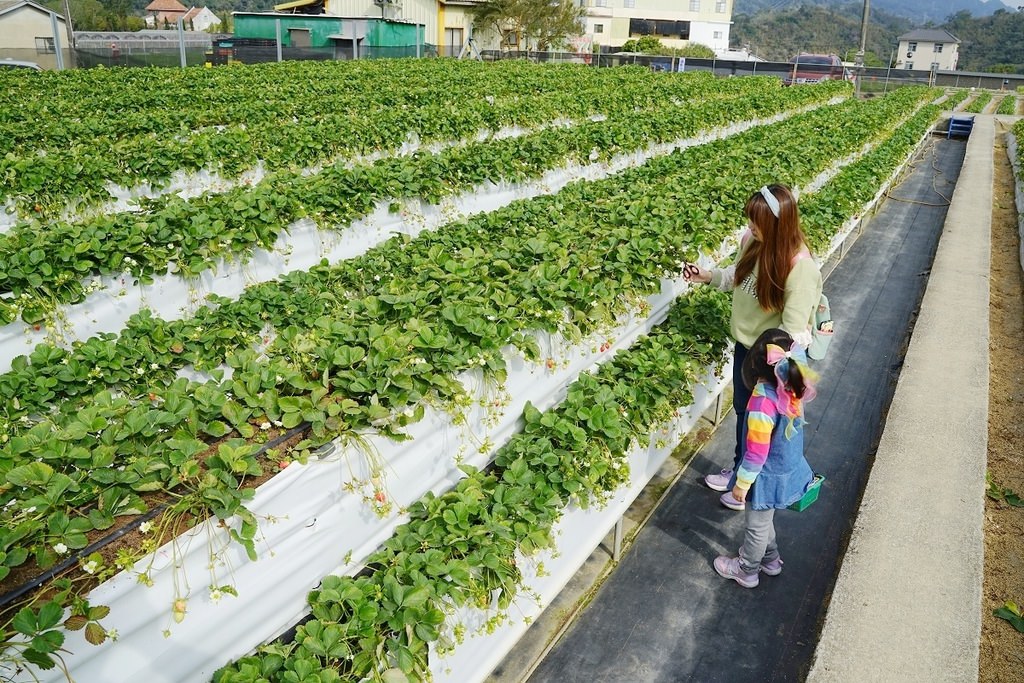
[[800, 300]]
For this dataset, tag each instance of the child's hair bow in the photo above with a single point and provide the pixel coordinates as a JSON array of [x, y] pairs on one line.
[[782, 360], [775, 354]]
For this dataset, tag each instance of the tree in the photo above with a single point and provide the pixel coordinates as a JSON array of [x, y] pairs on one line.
[[91, 15], [544, 23], [870, 58], [649, 45]]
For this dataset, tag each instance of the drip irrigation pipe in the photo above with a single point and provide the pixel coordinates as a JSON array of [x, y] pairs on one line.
[[73, 559]]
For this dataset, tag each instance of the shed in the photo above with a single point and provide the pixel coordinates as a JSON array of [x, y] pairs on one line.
[[345, 36], [26, 32]]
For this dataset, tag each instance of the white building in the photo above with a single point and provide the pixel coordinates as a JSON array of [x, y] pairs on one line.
[[928, 50], [201, 19], [676, 23], [26, 32], [161, 13]]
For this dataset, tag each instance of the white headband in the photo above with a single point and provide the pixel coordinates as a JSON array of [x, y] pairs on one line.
[[773, 203]]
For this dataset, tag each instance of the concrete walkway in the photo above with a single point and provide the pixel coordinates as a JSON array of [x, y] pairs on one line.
[[664, 615], [908, 599]]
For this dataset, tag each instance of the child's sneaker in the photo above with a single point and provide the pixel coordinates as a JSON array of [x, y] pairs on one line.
[[729, 568], [773, 568], [720, 481], [731, 503]]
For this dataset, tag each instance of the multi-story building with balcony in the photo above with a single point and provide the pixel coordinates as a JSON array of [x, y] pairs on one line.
[[676, 23]]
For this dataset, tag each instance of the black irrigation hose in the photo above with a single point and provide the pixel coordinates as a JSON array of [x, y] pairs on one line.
[[13, 595], [73, 559]]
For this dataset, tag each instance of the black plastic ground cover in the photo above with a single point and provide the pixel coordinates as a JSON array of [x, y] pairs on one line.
[[664, 614]]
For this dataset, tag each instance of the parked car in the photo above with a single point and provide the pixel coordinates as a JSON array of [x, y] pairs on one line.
[[18, 64], [809, 68]]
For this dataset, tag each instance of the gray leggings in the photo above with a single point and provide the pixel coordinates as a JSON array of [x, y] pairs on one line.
[[759, 541]]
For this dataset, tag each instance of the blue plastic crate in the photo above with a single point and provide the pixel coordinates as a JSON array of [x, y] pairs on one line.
[[960, 126]]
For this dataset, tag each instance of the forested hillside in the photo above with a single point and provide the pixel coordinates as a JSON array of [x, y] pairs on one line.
[[917, 11], [993, 43], [988, 43], [780, 34]]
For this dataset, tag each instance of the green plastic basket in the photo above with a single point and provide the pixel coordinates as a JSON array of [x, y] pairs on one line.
[[810, 495]]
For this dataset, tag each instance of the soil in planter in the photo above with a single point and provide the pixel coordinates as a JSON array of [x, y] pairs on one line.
[[164, 533], [1002, 647]]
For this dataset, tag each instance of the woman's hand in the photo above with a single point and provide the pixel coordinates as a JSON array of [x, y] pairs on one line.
[[694, 273]]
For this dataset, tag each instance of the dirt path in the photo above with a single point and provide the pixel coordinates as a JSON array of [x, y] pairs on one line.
[[1002, 647]]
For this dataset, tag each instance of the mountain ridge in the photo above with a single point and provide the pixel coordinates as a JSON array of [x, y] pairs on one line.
[[987, 43], [920, 12]]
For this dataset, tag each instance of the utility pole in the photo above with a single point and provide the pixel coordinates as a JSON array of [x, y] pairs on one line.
[[71, 33], [859, 61]]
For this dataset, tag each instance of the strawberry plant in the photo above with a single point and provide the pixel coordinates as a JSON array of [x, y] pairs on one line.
[[348, 368], [1007, 105], [361, 346], [194, 235], [979, 103]]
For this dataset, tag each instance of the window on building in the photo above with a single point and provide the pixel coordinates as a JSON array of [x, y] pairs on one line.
[[454, 39], [718, 35], [938, 48], [45, 46], [600, 3], [912, 47], [720, 6], [629, 4], [640, 27], [910, 66], [651, 27], [694, 5], [935, 66], [598, 28], [299, 37]]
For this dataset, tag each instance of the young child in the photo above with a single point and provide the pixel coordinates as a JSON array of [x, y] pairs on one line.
[[776, 371]]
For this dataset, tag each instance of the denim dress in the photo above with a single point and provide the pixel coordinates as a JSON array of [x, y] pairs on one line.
[[786, 475]]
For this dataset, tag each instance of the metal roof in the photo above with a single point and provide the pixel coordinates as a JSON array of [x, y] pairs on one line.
[[295, 3], [930, 35]]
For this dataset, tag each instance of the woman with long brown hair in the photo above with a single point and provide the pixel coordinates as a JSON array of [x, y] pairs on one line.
[[774, 283]]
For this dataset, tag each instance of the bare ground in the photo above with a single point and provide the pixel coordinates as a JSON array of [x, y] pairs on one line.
[[1002, 647]]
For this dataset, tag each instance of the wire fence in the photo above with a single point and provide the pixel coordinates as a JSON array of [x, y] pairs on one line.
[[171, 49]]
